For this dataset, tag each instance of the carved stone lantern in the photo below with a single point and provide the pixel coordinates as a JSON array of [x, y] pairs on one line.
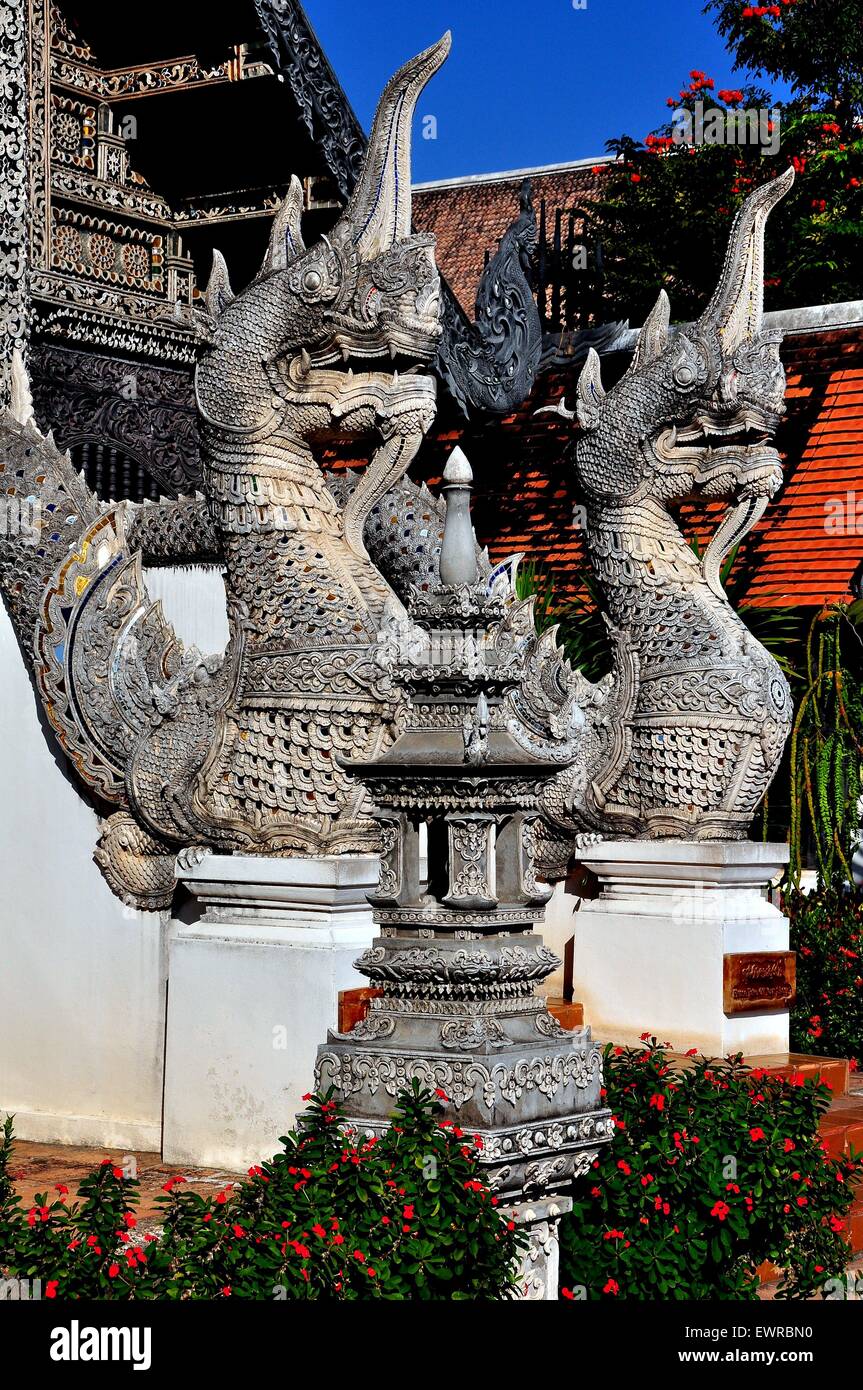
[[457, 957]]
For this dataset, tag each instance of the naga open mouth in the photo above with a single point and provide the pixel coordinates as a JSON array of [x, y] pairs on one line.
[[733, 455], [748, 428]]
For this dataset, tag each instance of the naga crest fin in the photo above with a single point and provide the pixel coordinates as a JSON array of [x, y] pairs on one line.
[[379, 211], [736, 310], [590, 392], [653, 338], [218, 294], [286, 237]]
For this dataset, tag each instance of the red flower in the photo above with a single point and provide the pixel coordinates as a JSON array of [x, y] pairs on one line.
[[635, 178], [226, 1290], [118, 1173], [789, 1146], [658, 1102], [720, 1210], [51, 1288], [113, 1271], [567, 1293], [756, 1134], [441, 1095], [61, 1188], [612, 1287], [624, 1166]]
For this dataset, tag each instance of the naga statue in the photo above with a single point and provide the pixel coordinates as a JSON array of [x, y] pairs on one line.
[[694, 414], [241, 752], [245, 751]]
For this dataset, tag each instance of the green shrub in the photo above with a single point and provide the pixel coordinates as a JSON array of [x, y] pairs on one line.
[[714, 1168], [333, 1215], [827, 934]]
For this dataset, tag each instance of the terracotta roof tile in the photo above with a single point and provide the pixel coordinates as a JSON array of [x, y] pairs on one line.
[[525, 496]]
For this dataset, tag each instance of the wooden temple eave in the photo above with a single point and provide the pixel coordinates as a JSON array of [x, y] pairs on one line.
[[126, 84]]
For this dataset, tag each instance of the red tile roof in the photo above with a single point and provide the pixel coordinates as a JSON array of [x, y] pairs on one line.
[[809, 543], [808, 546], [526, 497]]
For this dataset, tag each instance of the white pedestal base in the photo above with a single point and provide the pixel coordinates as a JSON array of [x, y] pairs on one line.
[[253, 988], [649, 950]]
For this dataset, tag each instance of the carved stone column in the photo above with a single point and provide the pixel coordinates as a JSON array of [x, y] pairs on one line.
[[457, 958], [540, 1264], [17, 20]]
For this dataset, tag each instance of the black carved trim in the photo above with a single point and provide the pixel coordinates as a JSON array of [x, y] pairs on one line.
[[491, 365], [127, 410], [323, 106]]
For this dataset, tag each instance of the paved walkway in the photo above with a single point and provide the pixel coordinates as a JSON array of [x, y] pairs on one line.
[[37, 1167]]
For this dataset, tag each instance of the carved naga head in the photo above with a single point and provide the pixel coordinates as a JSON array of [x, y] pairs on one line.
[[366, 296], [697, 408]]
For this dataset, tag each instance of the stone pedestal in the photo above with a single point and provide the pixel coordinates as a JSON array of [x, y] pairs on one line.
[[650, 950], [255, 970]]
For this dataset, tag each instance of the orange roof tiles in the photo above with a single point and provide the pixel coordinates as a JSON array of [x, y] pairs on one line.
[[810, 542], [804, 551]]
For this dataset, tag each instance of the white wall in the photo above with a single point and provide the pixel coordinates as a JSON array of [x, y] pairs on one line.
[[82, 978], [194, 601]]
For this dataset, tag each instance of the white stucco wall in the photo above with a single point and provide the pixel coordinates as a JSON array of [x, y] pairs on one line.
[[82, 978]]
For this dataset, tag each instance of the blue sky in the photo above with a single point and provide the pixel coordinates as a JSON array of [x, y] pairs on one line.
[[527, 83]]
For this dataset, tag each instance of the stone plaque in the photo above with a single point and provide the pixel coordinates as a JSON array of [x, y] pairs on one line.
[[759, 981]]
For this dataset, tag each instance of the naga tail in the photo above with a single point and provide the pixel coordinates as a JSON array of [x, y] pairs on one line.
[[47, 507], [108, 667]]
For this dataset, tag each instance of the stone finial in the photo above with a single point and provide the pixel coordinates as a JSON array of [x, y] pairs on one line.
[[458, 549]]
